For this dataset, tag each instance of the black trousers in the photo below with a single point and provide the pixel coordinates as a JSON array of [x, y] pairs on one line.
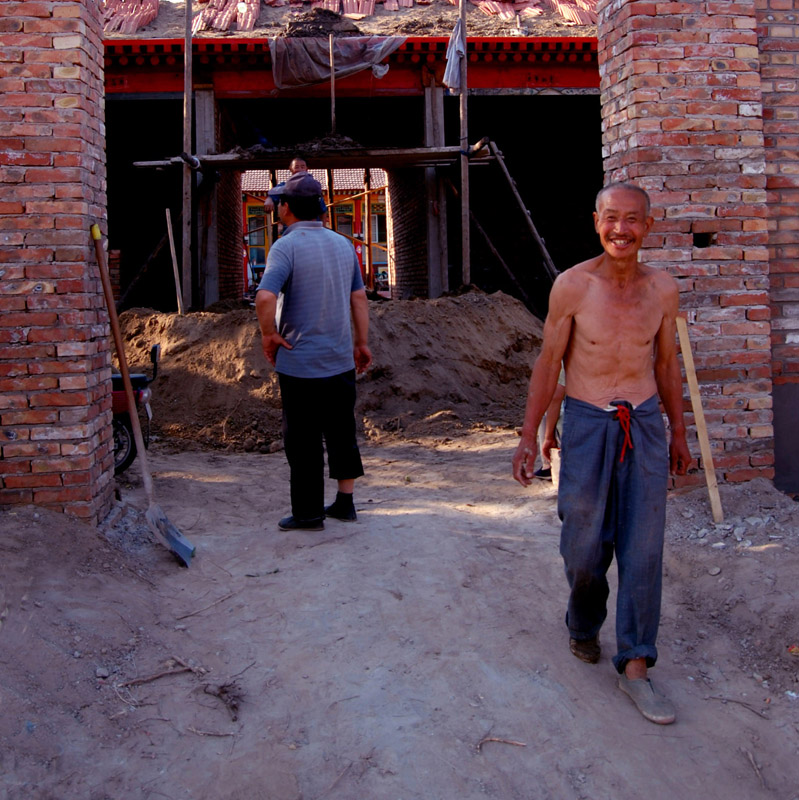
[[318, 413]]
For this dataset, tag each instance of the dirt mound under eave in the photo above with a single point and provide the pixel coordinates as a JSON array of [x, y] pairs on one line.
[[440, 367]]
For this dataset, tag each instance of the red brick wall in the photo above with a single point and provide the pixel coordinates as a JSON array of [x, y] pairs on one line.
[[55, 429], [778, 30], [682, 117], [778, 21], [406, 215]]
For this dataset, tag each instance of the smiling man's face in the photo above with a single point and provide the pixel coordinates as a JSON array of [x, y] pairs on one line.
[[622, 222]]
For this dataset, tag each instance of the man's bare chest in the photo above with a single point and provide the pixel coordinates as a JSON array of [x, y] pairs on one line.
[[630, 317]]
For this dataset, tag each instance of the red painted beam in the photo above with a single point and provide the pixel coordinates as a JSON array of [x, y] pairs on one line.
[[242, 67]]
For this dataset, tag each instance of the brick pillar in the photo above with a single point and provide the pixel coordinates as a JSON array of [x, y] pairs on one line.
[[778, 26], [682, 118], [55, 432], [406, 204]]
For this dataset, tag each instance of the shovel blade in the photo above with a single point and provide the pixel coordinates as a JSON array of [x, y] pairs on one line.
[[169, 535]]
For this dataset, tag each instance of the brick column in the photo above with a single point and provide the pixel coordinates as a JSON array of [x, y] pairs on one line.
[[406, 203], [55, 432], [682, 118], [778, 27]]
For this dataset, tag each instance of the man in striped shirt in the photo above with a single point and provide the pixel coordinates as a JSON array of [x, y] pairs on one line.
[[314, 319]]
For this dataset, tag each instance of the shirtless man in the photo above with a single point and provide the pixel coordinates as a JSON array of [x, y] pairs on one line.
[[612, 323]]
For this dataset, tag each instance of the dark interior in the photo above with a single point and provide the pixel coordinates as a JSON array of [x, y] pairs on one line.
[[550, 143]]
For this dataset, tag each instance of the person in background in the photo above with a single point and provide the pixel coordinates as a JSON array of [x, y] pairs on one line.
[[297, 165], [548, 431]]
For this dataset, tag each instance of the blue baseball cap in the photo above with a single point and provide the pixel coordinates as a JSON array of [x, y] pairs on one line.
[[301, 184]]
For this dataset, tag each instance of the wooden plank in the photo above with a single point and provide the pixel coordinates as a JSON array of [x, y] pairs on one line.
[[181, 310], [341, 158], [699, 417]]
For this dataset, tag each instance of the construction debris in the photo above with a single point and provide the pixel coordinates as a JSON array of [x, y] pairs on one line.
[[127, 16], [220, 16]]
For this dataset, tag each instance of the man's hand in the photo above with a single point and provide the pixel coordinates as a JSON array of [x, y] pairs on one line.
[[363, 357], [270, 343], [679, 455], [547, 445], [524, 461]]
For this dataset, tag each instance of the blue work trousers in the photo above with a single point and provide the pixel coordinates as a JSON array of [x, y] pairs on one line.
[[612, 499]]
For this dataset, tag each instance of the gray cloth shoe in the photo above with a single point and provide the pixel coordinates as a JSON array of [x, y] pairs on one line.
[[653, 706]]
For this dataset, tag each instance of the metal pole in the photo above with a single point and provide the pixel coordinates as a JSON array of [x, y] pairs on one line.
[[332, 87], [188, 178], [466, 269], [366, 226], [330, 194]]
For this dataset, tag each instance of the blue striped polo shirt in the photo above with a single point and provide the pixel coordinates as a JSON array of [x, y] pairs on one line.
[[313, 271]]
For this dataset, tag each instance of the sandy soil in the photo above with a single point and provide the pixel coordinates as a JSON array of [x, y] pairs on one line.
[[440, 367], [434, 19], [418, 653]]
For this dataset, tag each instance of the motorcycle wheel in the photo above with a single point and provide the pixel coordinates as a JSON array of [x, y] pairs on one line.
[[124, 444]]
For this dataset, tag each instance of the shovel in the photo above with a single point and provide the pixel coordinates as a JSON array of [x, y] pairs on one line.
[[164, 530]]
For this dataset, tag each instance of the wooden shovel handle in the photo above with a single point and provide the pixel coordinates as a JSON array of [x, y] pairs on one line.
[[123, 362]]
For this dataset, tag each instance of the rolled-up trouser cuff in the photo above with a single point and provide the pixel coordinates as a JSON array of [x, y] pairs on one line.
[[649, 652]]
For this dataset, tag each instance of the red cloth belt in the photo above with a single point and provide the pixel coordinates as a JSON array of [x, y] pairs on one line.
[[623, 416]]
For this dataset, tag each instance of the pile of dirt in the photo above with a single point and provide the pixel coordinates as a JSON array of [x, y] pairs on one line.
[[440, 368], [319, 23]]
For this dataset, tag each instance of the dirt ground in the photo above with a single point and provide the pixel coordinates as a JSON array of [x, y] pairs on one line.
[[419, 653], [436, 18]]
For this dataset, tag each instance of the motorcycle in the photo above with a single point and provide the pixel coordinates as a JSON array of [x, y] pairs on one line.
[[124, 443]]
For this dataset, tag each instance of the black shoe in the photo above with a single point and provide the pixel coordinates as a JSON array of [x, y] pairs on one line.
[[586, 649], [545, 474], [342, 508], [292, 524], [340, 512]]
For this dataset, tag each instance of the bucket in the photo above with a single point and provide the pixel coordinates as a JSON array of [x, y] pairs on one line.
[[554, 457]]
